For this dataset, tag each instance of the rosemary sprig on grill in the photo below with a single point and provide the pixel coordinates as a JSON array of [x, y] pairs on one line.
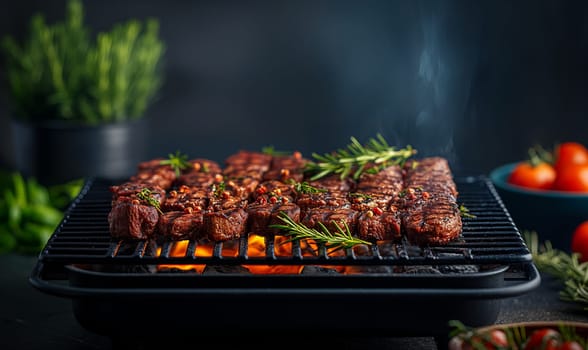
[[465, 212], [353, 159], [146, 195], [305, 187], [177, 161], [333, 241], [561, 265]]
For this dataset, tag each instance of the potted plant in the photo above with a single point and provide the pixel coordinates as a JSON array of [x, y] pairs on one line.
[[79, 101]]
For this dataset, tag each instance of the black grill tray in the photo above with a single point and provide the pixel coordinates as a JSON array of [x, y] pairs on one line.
[[78, 261]]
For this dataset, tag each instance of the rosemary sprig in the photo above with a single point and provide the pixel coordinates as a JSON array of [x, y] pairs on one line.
[[305, 187], [146, 195], [177, 161], [342, 239], [353, 159], [271, 151], [219, 189], [360, 195], [465, 212], [561, 265]]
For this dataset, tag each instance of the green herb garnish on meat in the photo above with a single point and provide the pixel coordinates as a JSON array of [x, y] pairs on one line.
[[177, 161], [146, 195], [356, 158], [341, 239]]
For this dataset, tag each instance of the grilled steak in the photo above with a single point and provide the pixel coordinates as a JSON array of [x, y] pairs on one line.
[[285, 168], [434, 220], [179, 225], [377, 197], [131, 216], [226, 224], [430, 211], [261, 216], [154, 174], [129, 219], [417, 200], [332, 218]]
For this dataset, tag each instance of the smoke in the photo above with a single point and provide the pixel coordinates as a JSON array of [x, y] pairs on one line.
[[403, 70]]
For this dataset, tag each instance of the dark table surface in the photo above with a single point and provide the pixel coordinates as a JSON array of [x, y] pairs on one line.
[[30, 319]]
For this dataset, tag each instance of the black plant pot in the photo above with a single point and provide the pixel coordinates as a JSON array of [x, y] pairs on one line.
[[57, 152]]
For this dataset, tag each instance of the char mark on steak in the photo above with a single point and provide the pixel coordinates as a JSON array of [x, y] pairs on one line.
[[332, 218], [129, 220], [435, 220], [226, 224], [376, 198], [261, 216], [247, 163], [153, 173], [132, 217], [431, 174], [180, 225], [430, 214]]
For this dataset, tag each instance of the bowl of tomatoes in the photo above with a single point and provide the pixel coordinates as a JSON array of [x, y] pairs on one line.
[[548, 192], [532, 335]]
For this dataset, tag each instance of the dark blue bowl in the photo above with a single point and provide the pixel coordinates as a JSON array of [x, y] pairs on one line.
[[552, 214]]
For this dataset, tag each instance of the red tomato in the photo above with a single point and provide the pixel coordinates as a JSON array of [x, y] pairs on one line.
[[570, 345], [544, 338], [570, 153], [580, 241], [540, 176], [572, 178], [495, 339]]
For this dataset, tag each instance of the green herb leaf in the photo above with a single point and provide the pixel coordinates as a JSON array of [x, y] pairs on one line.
[[147, 195], [270, 150], [354, 159], [465, 212], [562, 266], [177, 161], [341, 239], [305, 187]]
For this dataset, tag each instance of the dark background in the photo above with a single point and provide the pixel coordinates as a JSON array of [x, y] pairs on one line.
[[478, 82]]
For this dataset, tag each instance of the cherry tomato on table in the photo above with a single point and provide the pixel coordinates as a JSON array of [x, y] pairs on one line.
[[580, 241], [539, 176]]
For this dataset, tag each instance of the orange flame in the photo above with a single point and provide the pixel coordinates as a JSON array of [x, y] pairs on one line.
[[256, 248]]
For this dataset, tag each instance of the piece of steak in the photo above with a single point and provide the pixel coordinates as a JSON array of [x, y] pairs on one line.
[[261, 216], [331, 218], [130, 219], [431, 219], [430, 214], [153, 173], [180, 225], [286, 167], [225, 225]]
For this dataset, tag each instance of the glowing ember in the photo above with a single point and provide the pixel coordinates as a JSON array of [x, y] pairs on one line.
[[256, 249]]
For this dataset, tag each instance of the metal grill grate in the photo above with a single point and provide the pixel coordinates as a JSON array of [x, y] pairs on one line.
[[489, 238]]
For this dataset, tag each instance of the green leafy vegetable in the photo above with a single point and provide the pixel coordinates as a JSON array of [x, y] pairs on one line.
[[30, 212]]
